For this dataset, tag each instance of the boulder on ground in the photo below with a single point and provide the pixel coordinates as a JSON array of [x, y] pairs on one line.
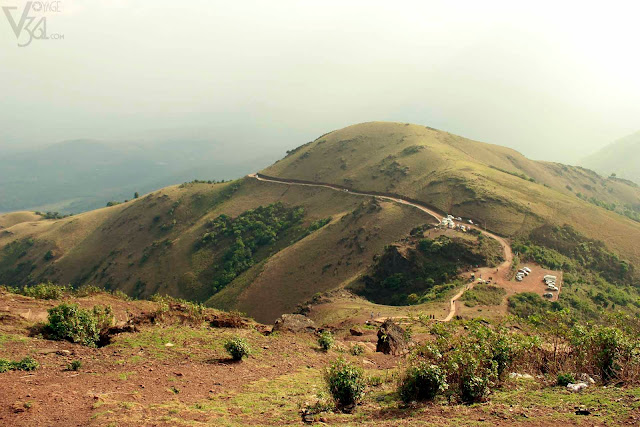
[[356, 331], [391, 338], [576, 388], [294, 323]]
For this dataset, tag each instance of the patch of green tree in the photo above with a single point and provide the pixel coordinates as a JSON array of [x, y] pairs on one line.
[[412, 275], [564, 248], [595, 280], [244, 236], [52, 215]]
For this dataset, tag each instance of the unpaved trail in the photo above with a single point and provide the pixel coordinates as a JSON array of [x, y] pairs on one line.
[[500, 274]]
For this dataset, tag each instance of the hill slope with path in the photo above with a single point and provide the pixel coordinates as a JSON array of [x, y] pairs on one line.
[[501, 273], [496, 186]]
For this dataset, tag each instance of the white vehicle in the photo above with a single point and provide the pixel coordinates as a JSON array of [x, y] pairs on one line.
[[523, 271], [450, 217], [519, 278], [548, 295], [552, 288], [458, 219], [549, 276], [527, 269], [470, 222]]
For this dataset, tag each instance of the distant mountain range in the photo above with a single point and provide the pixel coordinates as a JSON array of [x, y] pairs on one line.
[[621, 157], [80, 175]]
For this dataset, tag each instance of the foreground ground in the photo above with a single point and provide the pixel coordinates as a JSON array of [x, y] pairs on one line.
[[175, 372]]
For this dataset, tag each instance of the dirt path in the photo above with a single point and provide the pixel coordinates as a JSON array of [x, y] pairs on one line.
[[499, 274]]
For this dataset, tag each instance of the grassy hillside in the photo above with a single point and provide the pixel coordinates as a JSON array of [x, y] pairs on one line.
[[620, 158], [496, 186], [153, 245], [11, 219]]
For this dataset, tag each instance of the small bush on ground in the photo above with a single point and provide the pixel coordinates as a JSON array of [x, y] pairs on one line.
[[421, 382], [326, 340], [238, 348], [74, 366], [72, 323], [469, 363], [26, 364], [346, 383], [565, 379], [45, 291], [357, 350]]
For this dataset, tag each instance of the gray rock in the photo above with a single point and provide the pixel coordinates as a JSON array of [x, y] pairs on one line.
[[294, 323], [391, 338]]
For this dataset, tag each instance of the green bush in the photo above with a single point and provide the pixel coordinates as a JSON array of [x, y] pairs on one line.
[[78, 325], [476, 380], [421, 382], [74, 366], [346, 383], [565, 379], [45, 291], [26, 364], [326, 340], [5, 365], [357, 350], [607, 351], [238, 348]]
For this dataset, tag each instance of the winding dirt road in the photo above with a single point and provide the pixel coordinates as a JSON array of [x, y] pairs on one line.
[[499, 274]]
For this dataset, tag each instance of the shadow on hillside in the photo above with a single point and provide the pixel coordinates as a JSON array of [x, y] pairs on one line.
[[222, 361]]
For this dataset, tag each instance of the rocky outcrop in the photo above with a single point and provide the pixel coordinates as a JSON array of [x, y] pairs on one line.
[[391, 338], [294, 323]]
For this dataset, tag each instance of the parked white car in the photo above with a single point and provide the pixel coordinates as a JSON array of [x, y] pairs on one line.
[[527, 269]]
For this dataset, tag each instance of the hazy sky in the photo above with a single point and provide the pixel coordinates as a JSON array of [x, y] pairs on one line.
[[554, 80]]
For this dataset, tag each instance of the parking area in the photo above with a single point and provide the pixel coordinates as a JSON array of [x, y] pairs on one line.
[[534, 282]]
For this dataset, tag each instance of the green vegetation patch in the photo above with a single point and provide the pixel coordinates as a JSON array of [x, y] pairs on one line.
[[483, 295], [26, 364], [72, 323], [425, 270], [244, 236]]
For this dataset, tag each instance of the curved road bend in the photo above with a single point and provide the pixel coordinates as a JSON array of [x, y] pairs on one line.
[[503, 269]]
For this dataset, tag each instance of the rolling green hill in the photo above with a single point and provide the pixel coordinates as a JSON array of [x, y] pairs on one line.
[[264, 247], [497, 186]]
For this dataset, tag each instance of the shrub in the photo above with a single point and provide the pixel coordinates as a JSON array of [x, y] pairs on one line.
[[346, 383], [326, 340], [78, 325], [357, 349], [5, 365], [238, 348], [74, 366], [565, 379], [26, 364], [607, 350], [422, 381], [45, 291], [475, 381]]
